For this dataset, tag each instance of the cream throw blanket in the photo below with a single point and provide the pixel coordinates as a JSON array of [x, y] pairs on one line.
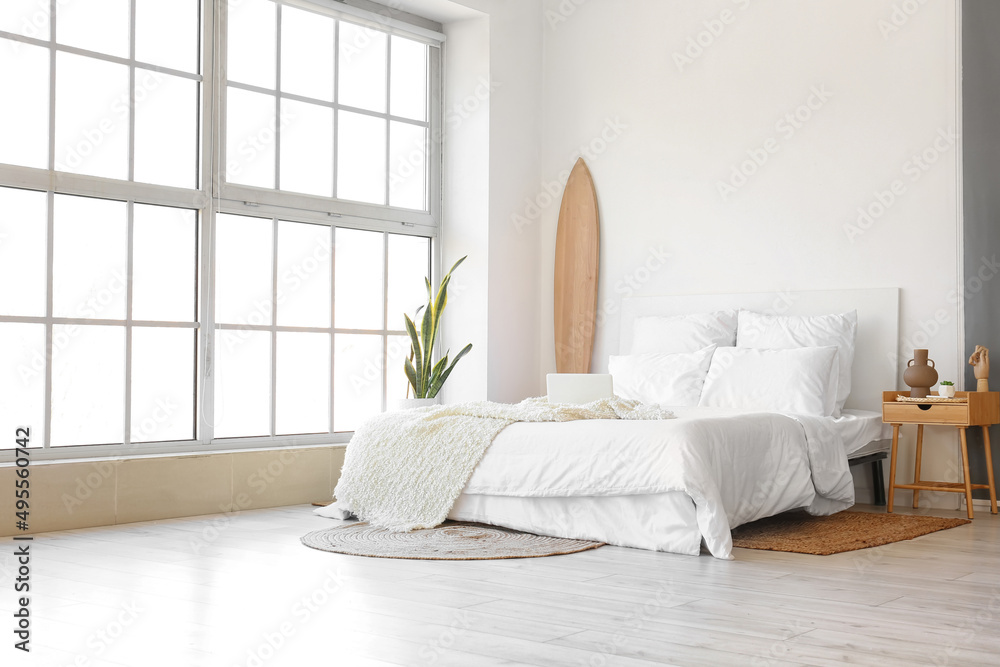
[[405, 470]]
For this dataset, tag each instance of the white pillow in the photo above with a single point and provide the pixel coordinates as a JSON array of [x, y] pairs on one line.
[[794, 380], [683, 333], [773, 331], [667, 379]]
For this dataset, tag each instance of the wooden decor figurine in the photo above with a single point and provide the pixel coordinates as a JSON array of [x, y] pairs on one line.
[[980, 360]]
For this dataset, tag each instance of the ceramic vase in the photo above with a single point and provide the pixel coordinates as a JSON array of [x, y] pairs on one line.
[[408, 403], [920, 374]]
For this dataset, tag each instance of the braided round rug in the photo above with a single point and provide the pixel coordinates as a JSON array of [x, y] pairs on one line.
[[452, 540]]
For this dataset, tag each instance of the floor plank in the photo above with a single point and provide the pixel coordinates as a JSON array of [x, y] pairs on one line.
[[241, 591]]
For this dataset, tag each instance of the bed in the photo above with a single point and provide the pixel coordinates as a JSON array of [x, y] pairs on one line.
[[680, 485]]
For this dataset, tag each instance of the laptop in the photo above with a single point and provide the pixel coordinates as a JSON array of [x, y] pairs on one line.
[[577, 388]]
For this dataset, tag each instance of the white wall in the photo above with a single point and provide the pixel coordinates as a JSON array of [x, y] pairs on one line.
[[491, 156], [515, 147], [672, 133], [466, 185]]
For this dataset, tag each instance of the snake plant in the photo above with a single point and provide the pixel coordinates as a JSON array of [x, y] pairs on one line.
[[427, 378]]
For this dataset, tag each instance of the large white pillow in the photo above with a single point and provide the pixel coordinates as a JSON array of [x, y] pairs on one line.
[[793, 380], [773, 331], [683, 333], [667, 379]]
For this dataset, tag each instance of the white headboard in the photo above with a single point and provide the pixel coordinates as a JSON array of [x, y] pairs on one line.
[[876, 351]]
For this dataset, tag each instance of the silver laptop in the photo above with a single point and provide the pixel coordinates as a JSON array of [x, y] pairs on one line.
[[577, 388]]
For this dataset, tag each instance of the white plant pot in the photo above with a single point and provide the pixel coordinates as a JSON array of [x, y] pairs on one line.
[[947, 391], [409, 403]]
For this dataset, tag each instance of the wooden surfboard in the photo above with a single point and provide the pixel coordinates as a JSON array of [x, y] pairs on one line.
[[578, 241]]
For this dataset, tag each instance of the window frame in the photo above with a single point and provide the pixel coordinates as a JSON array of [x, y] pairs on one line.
[[233, 193], [211, 196]]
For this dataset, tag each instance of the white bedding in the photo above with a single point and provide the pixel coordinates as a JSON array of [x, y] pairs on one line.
[[856, 427], [667, 485]]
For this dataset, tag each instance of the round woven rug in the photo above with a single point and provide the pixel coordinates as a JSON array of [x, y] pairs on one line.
[[452, 540]]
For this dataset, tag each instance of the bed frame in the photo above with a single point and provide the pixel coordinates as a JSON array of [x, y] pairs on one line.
[[876, 351]]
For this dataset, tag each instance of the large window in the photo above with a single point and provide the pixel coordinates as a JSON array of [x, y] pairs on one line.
[[212, 217]]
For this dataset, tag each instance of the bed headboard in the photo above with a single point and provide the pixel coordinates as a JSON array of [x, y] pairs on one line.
[[876, 351]]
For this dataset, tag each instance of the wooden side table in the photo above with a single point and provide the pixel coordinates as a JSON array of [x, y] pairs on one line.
[[981, 409]]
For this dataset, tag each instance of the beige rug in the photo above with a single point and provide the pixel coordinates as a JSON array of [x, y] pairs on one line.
[[452, 540], [801, 533]]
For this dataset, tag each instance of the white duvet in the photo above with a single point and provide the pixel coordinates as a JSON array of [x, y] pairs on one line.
[[735, 468], [404, 470]]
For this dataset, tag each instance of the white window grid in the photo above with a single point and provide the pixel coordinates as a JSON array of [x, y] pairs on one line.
[[215, 196], [54, 47], [250, 195], [273, 329]]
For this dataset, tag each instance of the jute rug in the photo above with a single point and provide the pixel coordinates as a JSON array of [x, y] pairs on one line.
[[801, 533], [452, 540]]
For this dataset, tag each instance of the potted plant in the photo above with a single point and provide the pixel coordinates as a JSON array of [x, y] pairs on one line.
[[425, 376], [946, 389]]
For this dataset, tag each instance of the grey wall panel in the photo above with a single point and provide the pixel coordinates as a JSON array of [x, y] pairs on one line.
[[981, 164]]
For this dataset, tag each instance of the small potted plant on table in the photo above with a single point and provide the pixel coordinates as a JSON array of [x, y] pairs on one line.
[[946, 389]]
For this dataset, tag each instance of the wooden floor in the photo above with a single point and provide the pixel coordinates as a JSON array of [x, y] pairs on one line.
[[241, 590]]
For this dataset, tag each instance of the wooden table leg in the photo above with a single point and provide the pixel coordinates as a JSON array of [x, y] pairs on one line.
[[989, 469], [916, 464], [892, 467], [965, 468]]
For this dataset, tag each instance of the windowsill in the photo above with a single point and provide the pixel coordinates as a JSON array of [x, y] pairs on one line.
[[97, 458]]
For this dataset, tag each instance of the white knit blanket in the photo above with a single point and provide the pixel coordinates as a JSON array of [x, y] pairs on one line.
[[405, 470]]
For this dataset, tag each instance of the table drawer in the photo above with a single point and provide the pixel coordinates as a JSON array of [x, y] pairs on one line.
[[925, 413]]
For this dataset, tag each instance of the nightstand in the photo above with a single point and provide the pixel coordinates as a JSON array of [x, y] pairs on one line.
[[980, 409]]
